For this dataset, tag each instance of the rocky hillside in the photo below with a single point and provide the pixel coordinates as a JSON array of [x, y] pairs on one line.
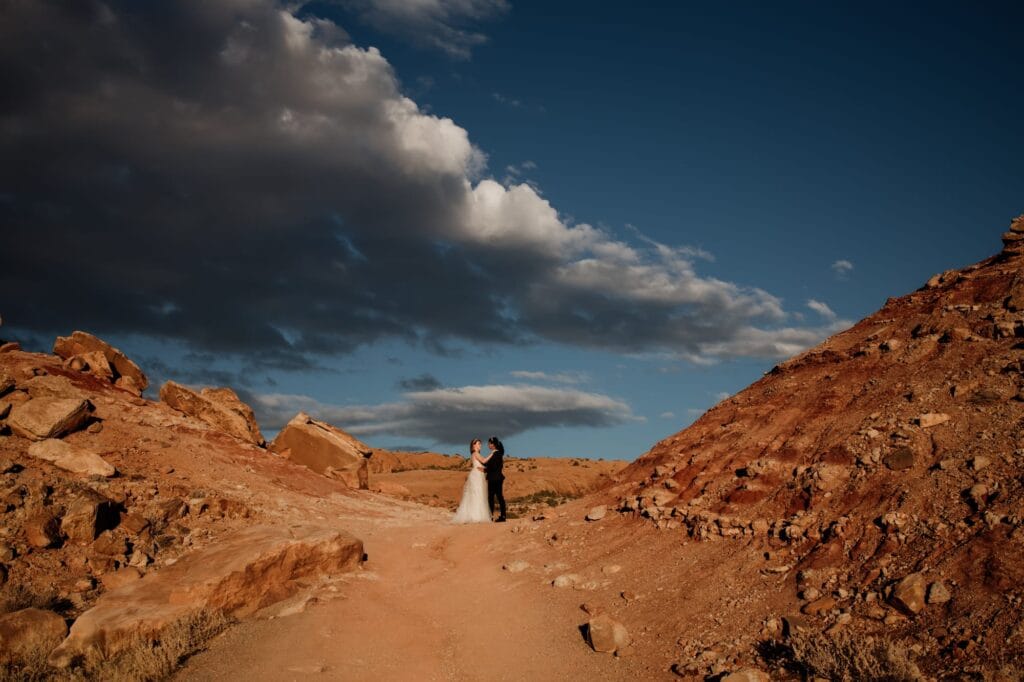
[[869, 489]]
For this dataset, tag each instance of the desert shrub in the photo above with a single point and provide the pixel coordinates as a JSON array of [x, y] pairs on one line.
[[17, 596], [154, 658], [849, 658]]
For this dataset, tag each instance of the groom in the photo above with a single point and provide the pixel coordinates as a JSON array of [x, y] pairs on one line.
[[495, 479]]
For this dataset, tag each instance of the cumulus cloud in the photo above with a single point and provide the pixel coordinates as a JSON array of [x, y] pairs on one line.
[[266, 188], [842, 268], [822, 309], [438, 24], [454, 415]]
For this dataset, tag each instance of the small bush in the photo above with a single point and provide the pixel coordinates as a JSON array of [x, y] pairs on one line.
[[148, 659], [846, 658]]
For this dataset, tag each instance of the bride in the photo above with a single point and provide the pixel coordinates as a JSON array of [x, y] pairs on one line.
[[473, 507]]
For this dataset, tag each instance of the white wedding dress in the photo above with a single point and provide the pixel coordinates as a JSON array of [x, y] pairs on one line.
[[473, 507]]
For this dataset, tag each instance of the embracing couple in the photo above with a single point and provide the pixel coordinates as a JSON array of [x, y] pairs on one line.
[[483, 484]]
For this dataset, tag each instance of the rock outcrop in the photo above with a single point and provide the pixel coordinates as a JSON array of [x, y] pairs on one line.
[[219, 407], [324, 449], [242, 573], [84, 352]]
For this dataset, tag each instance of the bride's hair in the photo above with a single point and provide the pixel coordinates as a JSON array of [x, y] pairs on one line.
[[498, 447], [472, 443]]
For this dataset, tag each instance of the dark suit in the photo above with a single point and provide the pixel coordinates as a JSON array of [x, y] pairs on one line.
[[495, 481]]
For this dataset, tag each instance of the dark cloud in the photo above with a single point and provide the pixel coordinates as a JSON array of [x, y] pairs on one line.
[[245, 180], [455, 415], [423, 382]]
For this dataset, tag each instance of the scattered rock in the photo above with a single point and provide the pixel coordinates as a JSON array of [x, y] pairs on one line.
[[899, 459], [566, 580], [819, 606], [40, 418], [747, 675], [120, 577], [611, 569], [930, 419], [597, 513], [9, 347], [979, 462], [82, 343], [938, 593], [607, 635], [909, 594], [95, 427], [25, 633], [71, 458], [240, 574], [218, 407], [42, 530], [517, 566]]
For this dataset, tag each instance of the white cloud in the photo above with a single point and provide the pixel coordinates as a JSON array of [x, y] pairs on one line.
[[454, 415], [436, 24], [559, 377], [821, 308], [842, 268], [667, 415]]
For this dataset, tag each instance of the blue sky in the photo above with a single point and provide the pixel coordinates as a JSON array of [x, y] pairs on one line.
[[593, 223]]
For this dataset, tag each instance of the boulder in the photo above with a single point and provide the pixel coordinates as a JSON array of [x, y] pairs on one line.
[[6, 382], [41, 418], [218, 407], [25, 633], [82, 343], [597, 513], [517, 566], [391, 488], [909, 594], [607, 635], [566, 580], [71, 458], [318, 445], [819, 606], [42, 529], [123, 576], [240, 574], [85, 515], [356, 476]]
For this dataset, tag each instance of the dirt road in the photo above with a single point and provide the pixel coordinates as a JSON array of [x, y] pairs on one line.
[[431, 603]]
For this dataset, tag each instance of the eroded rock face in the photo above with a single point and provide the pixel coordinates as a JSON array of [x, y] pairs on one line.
[[245, 571], [30, 630], [218, 407], [324, 449], [71, 458], [84, 344], [41, 418]]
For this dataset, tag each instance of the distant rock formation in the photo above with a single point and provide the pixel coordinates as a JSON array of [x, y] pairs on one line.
[[218, 407]]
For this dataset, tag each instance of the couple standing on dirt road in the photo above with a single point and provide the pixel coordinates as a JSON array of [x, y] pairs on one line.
[[483, 485]]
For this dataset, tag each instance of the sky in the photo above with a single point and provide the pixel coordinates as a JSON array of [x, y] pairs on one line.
[[576, 226]]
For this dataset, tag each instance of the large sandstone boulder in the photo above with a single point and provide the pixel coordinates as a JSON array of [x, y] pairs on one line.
[[240, 574], [25, 633], [218, 407], [83, 343], [41, 418], [85, 517], [323, 448], [71, 458]]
